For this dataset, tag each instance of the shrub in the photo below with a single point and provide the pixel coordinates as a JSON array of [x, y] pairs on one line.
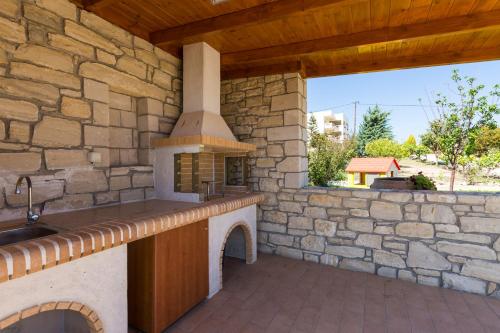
[[328, 160], [423, 182]]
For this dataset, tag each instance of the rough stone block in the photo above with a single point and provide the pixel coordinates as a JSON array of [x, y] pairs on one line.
[[357, 265], [65, 159], [313, 243], [87, 36], [37, 73], [325, 228], [480, 224], [286, 102], [86, 181], [345, 251], [284, 133], [68, 133], [61, 7], [467, 250], [289, 252], [142, 180], [416, 230], [367, 240], [275, 216], [97, 136], [438, 214], [386, 258], [19, 132], [18, 110], [324, 200], [492, 204], [385, 211], [96, 91], [44, 93], [20, 162], [46, 57], [279, 239], [462, 283], [419, 255], [300, 222], [12, 31], [482, 269], [77, 108], [363, 225]]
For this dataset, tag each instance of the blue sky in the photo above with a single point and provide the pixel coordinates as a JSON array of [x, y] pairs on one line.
[[392, 89]]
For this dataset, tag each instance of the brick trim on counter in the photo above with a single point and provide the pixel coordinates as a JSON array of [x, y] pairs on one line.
[[93, 321], [28, 257]]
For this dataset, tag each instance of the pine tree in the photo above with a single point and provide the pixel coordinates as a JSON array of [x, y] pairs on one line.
[[375, 126], [313, 131]]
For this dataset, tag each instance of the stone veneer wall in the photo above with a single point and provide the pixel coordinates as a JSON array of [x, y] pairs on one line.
[[439, 239], [72, 83]]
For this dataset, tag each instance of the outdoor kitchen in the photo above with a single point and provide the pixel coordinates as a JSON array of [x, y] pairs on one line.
[[154, 175]]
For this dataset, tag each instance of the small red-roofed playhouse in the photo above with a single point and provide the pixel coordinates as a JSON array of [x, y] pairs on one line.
[[363, 171]]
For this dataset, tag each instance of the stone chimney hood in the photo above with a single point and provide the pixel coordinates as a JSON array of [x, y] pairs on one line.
[[200, 122]]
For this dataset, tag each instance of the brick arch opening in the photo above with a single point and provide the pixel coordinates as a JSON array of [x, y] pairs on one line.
[[86, 313], [248, 244]]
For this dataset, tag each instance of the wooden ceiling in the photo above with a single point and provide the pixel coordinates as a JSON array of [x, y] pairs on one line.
[[316, 37]]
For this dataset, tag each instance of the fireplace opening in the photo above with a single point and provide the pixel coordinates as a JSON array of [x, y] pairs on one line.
[[55, 321], [211, 175]]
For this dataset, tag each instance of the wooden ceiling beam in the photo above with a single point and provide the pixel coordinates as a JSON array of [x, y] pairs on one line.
[[284, 67], [254, 15], [447, 58], [433, 28]]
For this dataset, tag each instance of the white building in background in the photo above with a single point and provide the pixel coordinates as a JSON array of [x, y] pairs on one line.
[[333, 124]]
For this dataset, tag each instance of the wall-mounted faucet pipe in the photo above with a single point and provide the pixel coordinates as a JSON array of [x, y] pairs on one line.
[[30, 216]]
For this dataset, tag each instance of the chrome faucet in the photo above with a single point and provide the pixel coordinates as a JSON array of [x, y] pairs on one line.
[[31, 217]]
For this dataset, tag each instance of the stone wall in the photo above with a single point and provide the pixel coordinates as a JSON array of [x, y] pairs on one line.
[[270, 112], [439, 239], [70, 84]]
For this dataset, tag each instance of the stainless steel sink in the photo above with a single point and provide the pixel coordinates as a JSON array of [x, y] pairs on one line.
[[24, 233]]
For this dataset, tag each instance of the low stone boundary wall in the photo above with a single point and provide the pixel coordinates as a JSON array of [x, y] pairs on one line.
[[442, 239]]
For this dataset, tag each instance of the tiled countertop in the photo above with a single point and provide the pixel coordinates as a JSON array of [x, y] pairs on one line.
[[82, 233]]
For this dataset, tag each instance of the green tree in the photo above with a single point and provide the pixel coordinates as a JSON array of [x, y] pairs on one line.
[[385, 148], [375, 125], [430, 138], [328, 160], [411, 141], [312, 128], [460, 121], [486, 140]]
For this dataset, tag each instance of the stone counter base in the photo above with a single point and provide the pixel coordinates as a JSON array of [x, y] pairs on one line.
[[440, 239]]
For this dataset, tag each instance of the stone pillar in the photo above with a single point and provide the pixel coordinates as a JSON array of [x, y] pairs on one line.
[[293, 133], [270, 112], [149, 112]]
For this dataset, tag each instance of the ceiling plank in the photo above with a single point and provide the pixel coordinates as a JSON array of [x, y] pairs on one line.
[[447, 58], [96, 4], [253, 15], [283, 67], [432, 28]]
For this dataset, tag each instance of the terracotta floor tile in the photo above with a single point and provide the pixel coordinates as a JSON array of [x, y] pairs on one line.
[[280, 295]]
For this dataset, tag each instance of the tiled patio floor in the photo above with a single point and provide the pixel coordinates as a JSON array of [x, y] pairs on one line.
[[283, 295]]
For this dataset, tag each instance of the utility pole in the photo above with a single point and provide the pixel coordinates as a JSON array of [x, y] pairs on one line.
[[355, 111]]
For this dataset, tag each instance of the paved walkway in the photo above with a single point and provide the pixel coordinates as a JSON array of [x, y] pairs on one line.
[[283, 295]]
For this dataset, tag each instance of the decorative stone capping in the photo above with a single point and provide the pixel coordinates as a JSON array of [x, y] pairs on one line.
[[32, 256], [70, 84], [93, 321]]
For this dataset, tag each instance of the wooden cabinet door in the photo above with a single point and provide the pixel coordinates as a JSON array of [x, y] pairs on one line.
[[181, 279], [168, 275]]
